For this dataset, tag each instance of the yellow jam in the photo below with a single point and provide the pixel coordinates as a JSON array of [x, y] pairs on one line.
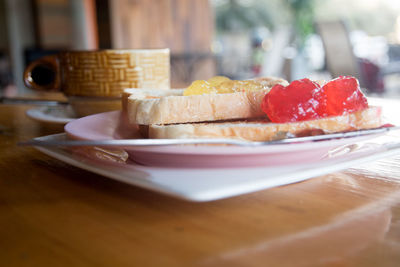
[[222, 85]]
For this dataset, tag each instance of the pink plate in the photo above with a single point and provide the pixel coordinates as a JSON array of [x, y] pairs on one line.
[[110, 125]]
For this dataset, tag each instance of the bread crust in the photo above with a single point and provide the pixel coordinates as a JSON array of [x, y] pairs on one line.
[[267, 131], [141, 93]]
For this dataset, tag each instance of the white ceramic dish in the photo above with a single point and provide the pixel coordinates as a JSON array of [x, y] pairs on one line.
[[61, 114], [206, 184]]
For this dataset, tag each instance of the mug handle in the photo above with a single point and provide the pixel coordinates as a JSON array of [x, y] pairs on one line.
[[43, 74]]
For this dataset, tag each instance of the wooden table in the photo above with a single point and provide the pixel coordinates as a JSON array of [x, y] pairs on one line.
[[53, 214]]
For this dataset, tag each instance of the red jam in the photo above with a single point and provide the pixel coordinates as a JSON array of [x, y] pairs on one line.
[[306, 100], [300, 100], [343, 95]]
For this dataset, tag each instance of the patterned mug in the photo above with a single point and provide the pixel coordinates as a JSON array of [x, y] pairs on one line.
[[95, 79]]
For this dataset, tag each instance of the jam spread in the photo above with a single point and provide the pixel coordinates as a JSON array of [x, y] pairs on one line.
[[343, 95], [306, 100], [222, 85]]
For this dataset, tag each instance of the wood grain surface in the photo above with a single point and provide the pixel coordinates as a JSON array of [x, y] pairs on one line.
[[53, 214]]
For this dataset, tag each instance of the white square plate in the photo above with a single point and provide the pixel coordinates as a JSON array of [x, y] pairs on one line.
[[206, 184]]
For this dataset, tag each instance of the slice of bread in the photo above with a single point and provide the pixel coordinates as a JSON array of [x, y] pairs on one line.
[[145, 107], [141, 93], [267, 131]]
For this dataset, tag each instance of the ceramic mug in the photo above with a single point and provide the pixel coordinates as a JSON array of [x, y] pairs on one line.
[[93, 81]]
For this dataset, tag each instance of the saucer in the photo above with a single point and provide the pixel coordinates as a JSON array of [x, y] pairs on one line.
[[61, 114]]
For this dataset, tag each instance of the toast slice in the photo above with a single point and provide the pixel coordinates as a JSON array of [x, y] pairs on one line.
[[146, 107], [141, 93], [267, 131]]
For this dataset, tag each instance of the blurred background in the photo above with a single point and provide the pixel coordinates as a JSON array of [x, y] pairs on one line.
[[241, 39]]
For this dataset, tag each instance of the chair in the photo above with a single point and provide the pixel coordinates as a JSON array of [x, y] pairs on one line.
[[340, 58]]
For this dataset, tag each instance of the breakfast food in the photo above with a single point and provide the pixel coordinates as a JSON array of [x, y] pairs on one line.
[[200, 102], [267, 131], [307, 100], [224, 85], [259, 110]]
